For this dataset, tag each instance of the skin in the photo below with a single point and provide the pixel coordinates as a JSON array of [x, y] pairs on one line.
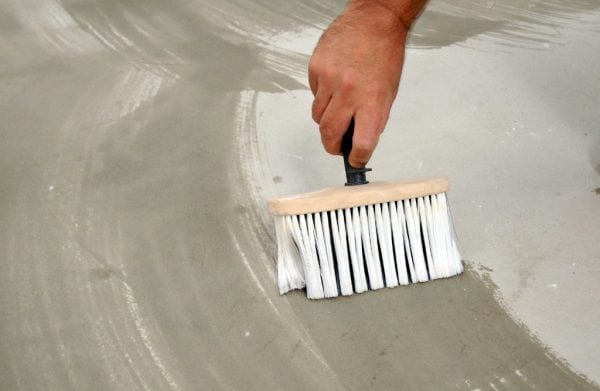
[[355, 72]]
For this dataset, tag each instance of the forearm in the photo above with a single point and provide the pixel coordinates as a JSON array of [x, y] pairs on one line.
[[405, 11]]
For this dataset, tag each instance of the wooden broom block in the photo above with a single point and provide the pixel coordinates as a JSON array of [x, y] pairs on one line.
[[342, 197]]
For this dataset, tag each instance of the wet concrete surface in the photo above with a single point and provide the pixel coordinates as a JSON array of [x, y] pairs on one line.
[[140, 140]]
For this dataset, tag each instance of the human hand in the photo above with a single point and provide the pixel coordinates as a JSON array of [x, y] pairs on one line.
[[355, 72]]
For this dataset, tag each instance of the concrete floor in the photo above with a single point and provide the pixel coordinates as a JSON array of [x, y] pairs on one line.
[[140, 140]]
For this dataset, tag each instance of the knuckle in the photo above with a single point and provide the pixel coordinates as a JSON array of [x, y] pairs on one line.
[[366, 143], [325, 129], [331, 127], [330, 136], [326, 75], [348, 83]]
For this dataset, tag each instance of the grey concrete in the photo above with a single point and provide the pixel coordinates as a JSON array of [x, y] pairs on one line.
[[140, 140]]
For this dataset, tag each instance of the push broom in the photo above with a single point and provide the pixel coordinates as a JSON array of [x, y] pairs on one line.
[[364, 236]]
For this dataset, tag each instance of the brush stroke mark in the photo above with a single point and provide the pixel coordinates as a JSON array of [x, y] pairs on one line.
[[508, 24]]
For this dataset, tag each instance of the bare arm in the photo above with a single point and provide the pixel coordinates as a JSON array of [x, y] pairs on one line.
[[355, 72]]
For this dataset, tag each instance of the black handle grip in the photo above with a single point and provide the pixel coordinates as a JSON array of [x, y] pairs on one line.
[[354, 176]]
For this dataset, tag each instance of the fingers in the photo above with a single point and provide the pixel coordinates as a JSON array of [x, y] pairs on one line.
[[322, 99], [324, 86], [337, 101], [369, 124], [334, 123]]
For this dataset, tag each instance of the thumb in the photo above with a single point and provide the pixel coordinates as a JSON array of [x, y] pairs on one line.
[[366, 137], [360, 155]]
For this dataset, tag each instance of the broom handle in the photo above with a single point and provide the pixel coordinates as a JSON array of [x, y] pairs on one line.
[[354, 176]]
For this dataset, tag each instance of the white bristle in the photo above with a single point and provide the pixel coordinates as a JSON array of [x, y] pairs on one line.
[[408, 253], [411, 241], [384, 232], [338, 230], [352, 250], [325, 256], [435, 242], [398, 232], [425, 234], [289, 269], [358, 265], [377, 281]]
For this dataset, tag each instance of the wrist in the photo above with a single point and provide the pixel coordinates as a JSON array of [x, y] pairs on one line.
[[403, 12]]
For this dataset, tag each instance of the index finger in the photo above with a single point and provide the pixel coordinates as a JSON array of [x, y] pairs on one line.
[[369, 126]]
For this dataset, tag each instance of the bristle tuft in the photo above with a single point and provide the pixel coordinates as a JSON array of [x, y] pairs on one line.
[[353, 250]]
